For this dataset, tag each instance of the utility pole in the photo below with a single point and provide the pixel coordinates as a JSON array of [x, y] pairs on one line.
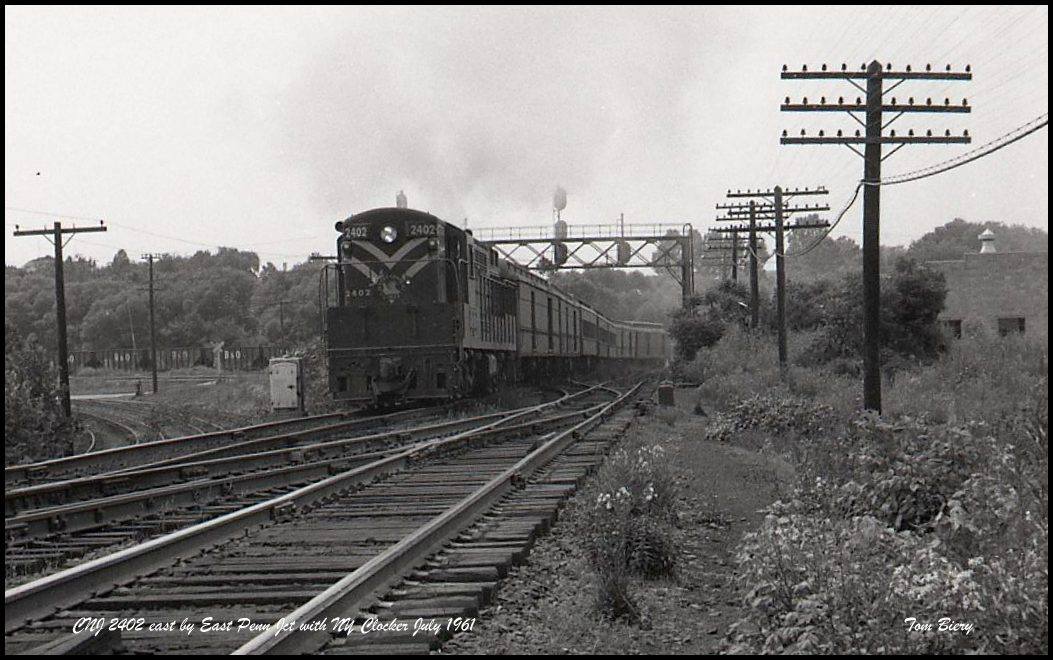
[[776, 211], [281, 319], [153, 330], [687, 264], [281, 314], [735, 258], [754, 282], [780, 278], [55, 236], [719, 244], [873, 139]]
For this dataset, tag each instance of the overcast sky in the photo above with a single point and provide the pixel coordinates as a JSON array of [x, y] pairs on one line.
[[191, 128]]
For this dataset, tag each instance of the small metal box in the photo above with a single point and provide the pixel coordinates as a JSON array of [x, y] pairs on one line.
[[286, 376]]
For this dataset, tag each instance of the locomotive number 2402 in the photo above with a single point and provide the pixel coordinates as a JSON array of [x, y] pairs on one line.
[[423, 230]]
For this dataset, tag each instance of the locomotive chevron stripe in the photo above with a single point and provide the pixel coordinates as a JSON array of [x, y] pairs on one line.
[[385, 263], [383, 257], [364, 269]]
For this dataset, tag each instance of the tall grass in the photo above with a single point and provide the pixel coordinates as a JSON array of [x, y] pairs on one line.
[[981, 377]]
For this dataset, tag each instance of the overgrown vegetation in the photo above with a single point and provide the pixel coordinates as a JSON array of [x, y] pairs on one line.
[[631, 531], [829, 312], [706, 317], [936, 511], [34, 425], [911, 299]]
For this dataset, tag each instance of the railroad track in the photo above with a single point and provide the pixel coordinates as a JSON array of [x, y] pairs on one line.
[[121, 458], [46, 528], [146, 411], [130, 423], [115, 426], [419, 528]]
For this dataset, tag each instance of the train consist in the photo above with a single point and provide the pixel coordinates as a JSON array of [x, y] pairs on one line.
[[424, 311]]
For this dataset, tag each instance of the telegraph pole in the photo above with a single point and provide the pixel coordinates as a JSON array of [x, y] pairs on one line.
[[716, 243], [281, 312], [153, 330], [281, 319], [754, 284], [55, 236], [780, 278], [872, 242], [687, 264], [874, 125], [776, 211], [735, 258]]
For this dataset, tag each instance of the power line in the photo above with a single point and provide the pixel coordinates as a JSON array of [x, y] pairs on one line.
[[932, 170], [154, 234], [833, 225], [64, 216], [985, 150]]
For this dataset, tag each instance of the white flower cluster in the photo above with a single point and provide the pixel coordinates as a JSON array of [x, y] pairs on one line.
[[607, 501]]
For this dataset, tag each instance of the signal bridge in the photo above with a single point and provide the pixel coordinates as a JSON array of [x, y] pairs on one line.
[[562, 246]]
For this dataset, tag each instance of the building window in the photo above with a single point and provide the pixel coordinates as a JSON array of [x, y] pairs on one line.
[[1010, 325], [953, 327]]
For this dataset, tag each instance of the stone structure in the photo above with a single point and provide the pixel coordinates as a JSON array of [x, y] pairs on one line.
[[1000, 291]]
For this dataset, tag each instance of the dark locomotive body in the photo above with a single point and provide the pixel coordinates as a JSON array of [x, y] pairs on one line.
[[423, 311]]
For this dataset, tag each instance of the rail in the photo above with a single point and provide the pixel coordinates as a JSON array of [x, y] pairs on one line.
[[63, 589], [348, 594]]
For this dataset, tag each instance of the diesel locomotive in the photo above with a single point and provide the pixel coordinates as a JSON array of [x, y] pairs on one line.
[[421, 310]]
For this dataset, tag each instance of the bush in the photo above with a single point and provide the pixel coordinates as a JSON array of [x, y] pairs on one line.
[[774, 414], [630, 533], [706, 318], [903, 519], [35, 427], [806, 304], [911, 299]]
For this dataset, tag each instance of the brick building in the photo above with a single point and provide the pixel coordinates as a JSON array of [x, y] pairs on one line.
[[1001, 291]]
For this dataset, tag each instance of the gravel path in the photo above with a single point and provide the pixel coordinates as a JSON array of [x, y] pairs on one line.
[[548, 604]]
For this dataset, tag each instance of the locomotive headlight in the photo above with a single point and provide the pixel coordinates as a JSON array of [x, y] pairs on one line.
[[388, 234]]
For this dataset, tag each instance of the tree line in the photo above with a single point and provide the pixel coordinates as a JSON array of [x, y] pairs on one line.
[[824, 295], [226, 296]]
